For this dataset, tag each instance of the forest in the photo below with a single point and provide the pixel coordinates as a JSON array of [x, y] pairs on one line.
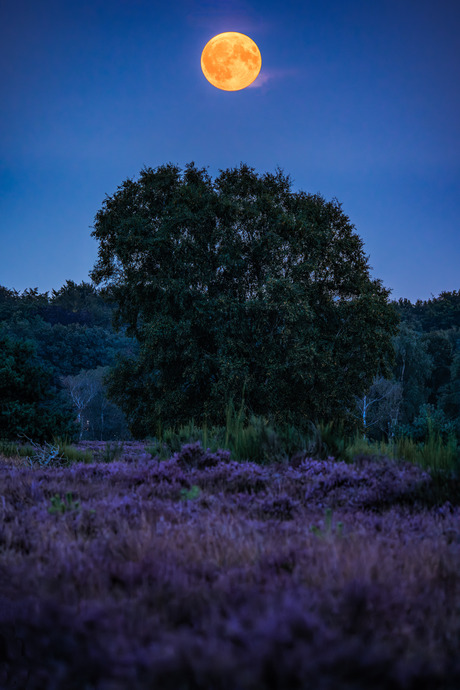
[[57, 350]]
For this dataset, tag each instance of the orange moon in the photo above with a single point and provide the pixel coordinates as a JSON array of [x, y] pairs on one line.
[[231, 61]]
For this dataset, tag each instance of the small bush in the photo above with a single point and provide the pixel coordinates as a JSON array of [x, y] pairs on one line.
[[11, 449], [112, 453], [278, 508], [428, 422], [62, 506]]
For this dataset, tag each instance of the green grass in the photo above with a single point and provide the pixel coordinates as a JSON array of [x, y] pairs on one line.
[[259, 442], [70, 453], [439, 457], [10, 449], [112, 452], [34, 453]]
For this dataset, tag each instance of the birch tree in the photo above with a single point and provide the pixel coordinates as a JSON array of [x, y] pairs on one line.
[[82, 388], [379, 407]]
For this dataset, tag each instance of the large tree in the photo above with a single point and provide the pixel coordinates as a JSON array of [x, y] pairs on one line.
[[238, 281]]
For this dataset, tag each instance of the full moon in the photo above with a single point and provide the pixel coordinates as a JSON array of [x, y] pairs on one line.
[[231, 61]]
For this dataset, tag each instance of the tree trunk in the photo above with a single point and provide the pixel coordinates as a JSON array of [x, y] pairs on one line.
[[364, 416], [81, 424]]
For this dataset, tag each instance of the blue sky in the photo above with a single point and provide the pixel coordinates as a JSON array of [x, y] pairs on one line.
[[356, 99]]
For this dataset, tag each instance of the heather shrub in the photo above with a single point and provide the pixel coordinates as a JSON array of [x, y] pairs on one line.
[[280, 507], [364, 485], [202, 571], [328, 529], [192, 455], [104, 451], [233, 477], [442, 489]]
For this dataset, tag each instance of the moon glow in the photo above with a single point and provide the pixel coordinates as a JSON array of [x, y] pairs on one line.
[[231, 61]]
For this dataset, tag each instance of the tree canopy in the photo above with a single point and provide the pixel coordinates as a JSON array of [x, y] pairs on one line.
[[30, 402], [238, 281], [72, 303], [438, 313]]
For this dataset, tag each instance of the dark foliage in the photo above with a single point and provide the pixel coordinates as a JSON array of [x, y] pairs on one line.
[[438, 313], [31, 403], [233, 281]]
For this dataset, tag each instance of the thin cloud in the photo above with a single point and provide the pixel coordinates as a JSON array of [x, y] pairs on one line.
[[270, 75]]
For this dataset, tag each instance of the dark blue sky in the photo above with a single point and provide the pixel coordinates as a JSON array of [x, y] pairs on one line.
[[356, 99]]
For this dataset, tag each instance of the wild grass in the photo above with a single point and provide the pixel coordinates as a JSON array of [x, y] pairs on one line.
[[260, 443], [60, 451]]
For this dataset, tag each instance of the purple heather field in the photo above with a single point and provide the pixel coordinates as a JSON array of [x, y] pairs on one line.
[[200, 572]]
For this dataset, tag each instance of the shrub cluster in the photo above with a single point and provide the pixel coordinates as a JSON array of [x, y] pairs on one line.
[[203, 572]]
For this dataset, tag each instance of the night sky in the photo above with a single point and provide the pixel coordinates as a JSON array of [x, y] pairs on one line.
[[356, 99]]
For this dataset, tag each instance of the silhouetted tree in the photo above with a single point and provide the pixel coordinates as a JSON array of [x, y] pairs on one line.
[[9, 303], [233, 281]]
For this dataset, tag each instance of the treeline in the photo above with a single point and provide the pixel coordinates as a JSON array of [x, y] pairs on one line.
[[425, 382], [54, 353], [56, 350]]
